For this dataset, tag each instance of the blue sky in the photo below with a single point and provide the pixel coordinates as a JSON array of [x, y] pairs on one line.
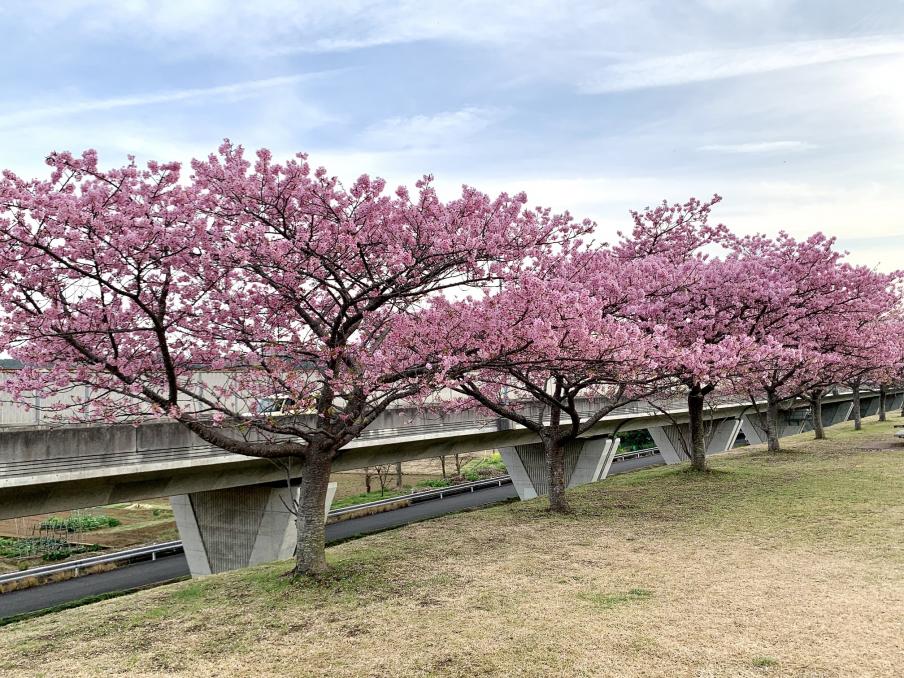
[[792, 110]]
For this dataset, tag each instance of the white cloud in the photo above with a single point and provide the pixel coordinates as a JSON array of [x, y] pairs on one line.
[[679, 69], [279, 26], [236, 90], [419, 131], [759, 147]]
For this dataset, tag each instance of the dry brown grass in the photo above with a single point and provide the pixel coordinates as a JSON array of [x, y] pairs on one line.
[[770, 565]]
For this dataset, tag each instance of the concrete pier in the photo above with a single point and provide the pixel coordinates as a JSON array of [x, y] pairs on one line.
[[790, 422], [673, 440], [236, 527], [586, 461]]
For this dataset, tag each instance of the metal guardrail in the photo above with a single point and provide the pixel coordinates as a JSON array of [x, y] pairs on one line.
[[427, 495], [152, 551], [139, 553]]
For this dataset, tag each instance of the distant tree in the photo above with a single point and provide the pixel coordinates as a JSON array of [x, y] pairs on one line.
[[805, 308], [384, 473]]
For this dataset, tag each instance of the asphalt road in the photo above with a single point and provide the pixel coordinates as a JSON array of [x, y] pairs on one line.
[[171, 567]]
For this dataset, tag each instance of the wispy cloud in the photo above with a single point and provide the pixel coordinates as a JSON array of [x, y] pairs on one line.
[[679, 69], [430, 130], [233, 90], [759, 147]]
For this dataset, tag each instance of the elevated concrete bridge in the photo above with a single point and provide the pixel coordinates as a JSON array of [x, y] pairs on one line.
[[231, 510]]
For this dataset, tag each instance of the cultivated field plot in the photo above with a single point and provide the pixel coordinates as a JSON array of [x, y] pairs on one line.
[[113, 527], [787, 564]]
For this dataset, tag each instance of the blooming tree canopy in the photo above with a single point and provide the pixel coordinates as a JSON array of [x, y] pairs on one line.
[[554, 350], [805, 306], [126, 280]]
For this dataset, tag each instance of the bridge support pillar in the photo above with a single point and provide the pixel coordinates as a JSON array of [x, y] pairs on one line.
[[895, 401], [870, 406], [843, 413], [237, 527], [835, 413], [673, 440], [829, 412], [586, 461], [790, 422]]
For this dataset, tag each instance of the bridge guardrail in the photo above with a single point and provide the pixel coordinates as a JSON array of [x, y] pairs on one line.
[[151, 551]]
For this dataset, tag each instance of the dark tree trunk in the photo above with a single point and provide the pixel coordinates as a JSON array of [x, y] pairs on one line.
[[695, 398], [442, 464], [816, 413], [858, 420], [367, 479], [883, 394], [772, 424], [555, 470], [398, 475], [457, 465], [310, 557]]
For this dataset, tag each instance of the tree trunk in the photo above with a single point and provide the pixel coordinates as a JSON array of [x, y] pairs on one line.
[[555, 472], [442, 464], [398, 475], [695, 400], [457, 465], [858, 421], [883, 393], [367, 479], [816, 413], [310, 557], [772, 422]]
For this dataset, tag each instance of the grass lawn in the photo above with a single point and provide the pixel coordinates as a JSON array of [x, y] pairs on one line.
[[770, 565]]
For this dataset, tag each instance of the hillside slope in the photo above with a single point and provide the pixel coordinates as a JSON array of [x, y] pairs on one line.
[[788, 564]]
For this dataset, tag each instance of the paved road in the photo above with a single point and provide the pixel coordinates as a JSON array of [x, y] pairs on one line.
[[171, 567]]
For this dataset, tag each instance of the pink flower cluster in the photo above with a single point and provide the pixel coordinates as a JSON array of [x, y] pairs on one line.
[[131, 281]]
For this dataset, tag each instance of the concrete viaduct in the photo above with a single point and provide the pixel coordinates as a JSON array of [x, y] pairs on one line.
[[231, 510]]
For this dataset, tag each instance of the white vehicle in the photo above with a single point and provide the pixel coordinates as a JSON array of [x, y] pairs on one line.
[[277, 406]]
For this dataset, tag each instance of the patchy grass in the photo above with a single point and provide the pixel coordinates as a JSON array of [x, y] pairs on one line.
[[789, 564]]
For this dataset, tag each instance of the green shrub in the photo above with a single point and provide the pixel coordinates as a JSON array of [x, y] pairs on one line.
[[483, 467], [79, 523], [435, 482], [48, 549], [63, 553]]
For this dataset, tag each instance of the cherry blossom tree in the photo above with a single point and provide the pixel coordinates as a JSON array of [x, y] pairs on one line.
[[553, 351], [691, 297], [126, 280], [872, 354], [805, 305]]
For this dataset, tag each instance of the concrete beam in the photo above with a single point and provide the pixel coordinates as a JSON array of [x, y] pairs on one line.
[[45, 469], [586, 461], [238, 527]]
